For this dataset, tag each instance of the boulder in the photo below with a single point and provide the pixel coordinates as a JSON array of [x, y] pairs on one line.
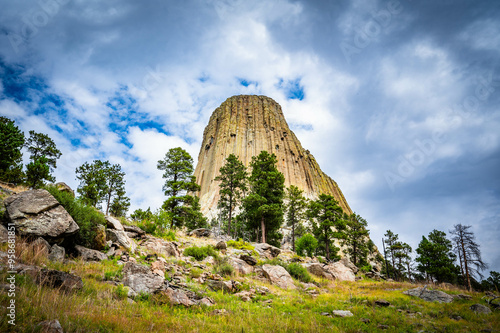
[[278, 276], [342, 313], [89, 254], [318, 270], [221, 245], [41, 245], [266, 250], [37, 213], [134, 229], [4, 234], [113, 223], [50, 326], [240, 266], [63, 187], [479, 308], [140, 279], [430, 295], [225, 286], [57, 253], [161, 246], [100, 237], [248, 259], [340, 272], [382, 303], [206, 301], [347, 263], [121, 238], [56, 279], [178, 297], [202, 232]]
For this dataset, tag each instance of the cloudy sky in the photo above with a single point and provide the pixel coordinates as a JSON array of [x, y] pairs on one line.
[[397, 100]]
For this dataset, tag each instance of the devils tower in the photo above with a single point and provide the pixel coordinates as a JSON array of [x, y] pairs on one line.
[[245, 125]]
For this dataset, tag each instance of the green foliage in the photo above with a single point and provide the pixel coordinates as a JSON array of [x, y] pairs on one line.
[[492, 282], [232, 185], [263, 207], [156, 224], [11, 142], [356, 240], [295, 209], [195, 272], [139, 214], [178, 174], [44, 155], [200, 253], [299, 272], [306, 245], [85, 216], [121, 292], [223, 267], [436, 259], [328, 223], [240, 244], [37, 171], [103, 182]]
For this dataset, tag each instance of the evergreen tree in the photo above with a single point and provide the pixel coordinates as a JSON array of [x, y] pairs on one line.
[[327, 223], [295, 209], [120, 204], [92, 179], [306, 244], [391, 239], [263, 207], [469, 254], [232, 185], [11, 142], [179, 180], [115, 188], [435, 257], [356, 239], [44, 155]]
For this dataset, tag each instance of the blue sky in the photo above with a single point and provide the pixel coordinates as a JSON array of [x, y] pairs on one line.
[[397, 100]]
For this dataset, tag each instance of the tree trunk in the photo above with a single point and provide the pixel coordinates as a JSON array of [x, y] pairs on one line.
[[465, 263], [230, 214], [293, 236], [263, 227], [109, 200], [354, 254], [327, 245]]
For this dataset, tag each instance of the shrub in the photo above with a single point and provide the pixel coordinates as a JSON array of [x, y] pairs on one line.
[[306, 244], [223, 267], [196, 272], [200, 253], [299, 272], [240, 244], [87, 217], [121, 292]]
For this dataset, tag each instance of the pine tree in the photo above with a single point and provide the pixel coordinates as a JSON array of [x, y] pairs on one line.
[[232, 185], [263, 207], [179, 180], [391, 239], [435, 257], [120, 204], [295, 209], [115, 187], [471, 263], [327, 223], [356, 239], [11, 142], [44, 155]]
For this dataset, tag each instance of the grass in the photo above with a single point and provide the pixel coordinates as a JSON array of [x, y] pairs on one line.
[[200, 252], [102, 307]]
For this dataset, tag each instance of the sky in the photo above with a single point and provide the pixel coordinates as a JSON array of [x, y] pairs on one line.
[[399, 100]]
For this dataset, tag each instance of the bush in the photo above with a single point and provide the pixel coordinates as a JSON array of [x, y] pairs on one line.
[[240, 245], [157, 224], [121, 292], [200, 253], [299, 272], [196, 272], [223, 267], [87, 217], [306, 244]]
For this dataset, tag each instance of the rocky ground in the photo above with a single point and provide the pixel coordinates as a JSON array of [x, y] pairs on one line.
[[143, 283]]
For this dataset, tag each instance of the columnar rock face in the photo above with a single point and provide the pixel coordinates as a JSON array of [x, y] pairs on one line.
[[245, 125]]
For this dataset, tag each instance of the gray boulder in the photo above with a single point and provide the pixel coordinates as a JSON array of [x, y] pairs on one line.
[[57, 253], [121, 238], [4, 234], [50, 326], [248, 259], [178, 297], [202, 232], [334, 271], [225, 286], [342, 313], [240, 266], [139, 278], [266, 250], [479, 308], [41, 245], [38, 213], [89, 254], [430, 295], [63, 187], [134, 229], [113, 223], [56, 279], [221, 245], [161, 246], [278, 276]]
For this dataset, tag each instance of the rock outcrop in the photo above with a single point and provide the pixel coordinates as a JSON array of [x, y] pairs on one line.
[[430, 295], [245, 125], [278, 276], [38, 214]]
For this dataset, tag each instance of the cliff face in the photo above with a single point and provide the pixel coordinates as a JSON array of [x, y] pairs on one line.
[[245, 125]]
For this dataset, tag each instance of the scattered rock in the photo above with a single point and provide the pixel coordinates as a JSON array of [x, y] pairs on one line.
[[365, 320], [63, 187], [38, 213], [50, 326], [219, 312], [113, 223], [178, 297], [139, 278], [206, 301], [266, 250], [57, 279], [134, 229], [248, 259], [225, 286], [202, 232], [328, 314], [160, 246], [221, 245], [100, 237], [240, 266], [4, 234], [245, 295], [278, 276], [479, 308], [382, 302], [57, 253], [41, 245], [89, 254], [430, 295], [120, 237], [462, 296], [342, 313]]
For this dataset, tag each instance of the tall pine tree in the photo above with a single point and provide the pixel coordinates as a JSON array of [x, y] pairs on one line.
[[11, 142], [356, 239], [44, 155], [295, 209], [435, 257]]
